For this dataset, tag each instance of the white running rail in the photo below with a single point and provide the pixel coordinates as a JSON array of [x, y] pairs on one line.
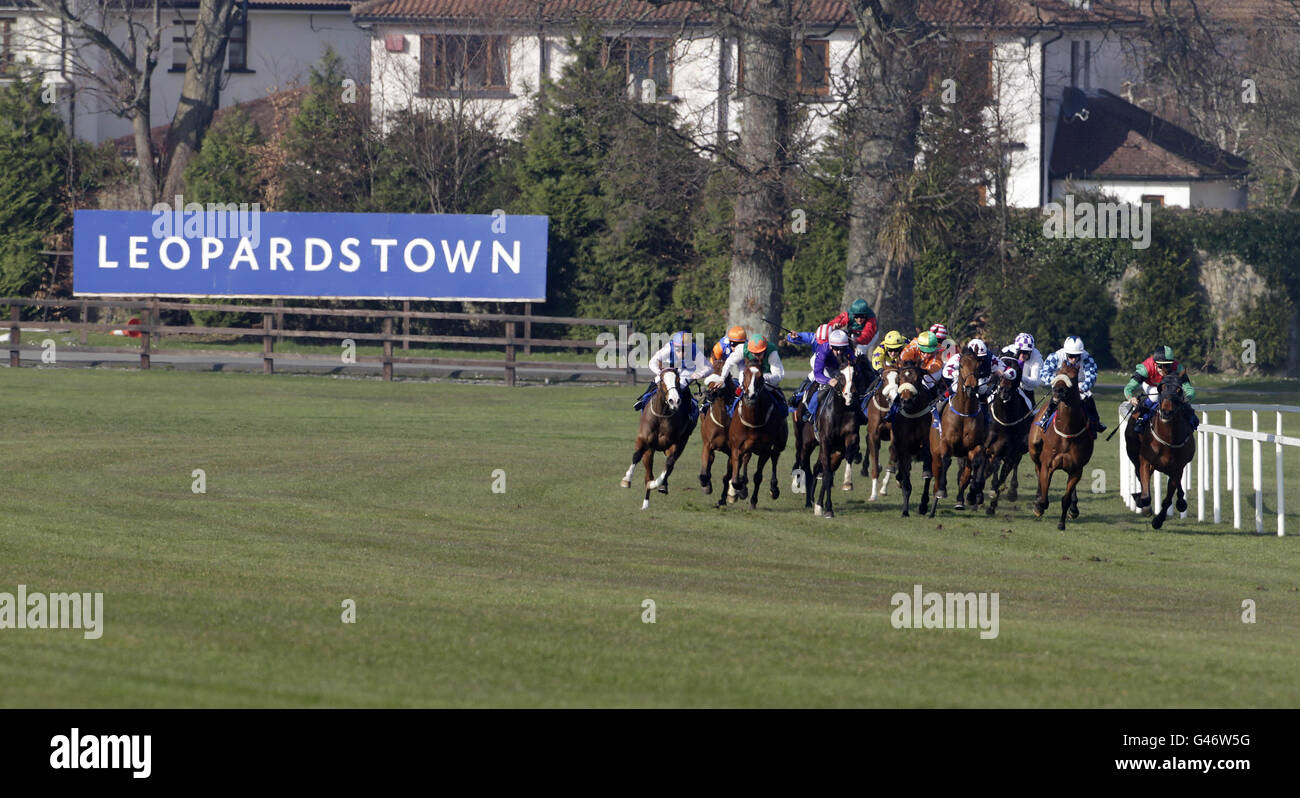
[[1205, 468]]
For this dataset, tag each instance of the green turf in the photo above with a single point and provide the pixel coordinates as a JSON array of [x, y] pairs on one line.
[[320, 490]]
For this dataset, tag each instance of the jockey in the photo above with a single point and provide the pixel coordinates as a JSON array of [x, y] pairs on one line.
[[1147, 378], [818, 338], [1072, 352], [989, 367], [859, 322], [680, 352], [1031, 361], [947, 346], [887, 355], [734, 337], [755, 351], [924, 349], [827, 365]]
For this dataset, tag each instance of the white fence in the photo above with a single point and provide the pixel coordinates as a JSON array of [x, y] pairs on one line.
[[1205, 470]]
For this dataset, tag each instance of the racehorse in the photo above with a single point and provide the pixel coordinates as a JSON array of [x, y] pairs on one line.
[[961, 433], [910, 431], [756, 427], [1010, 415], [1166, 445], [877, 431], [666, 425], [714, 424], [805, 440], [1065, 445], [836, 431]]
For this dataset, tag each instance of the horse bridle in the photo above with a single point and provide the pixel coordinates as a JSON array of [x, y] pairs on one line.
[[651, 405], [1160, 413]]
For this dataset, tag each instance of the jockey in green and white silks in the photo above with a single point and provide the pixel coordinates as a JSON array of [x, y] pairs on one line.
[[756, 351], [691, 363]]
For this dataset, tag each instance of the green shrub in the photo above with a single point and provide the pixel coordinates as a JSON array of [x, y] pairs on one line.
[[1162, 304]]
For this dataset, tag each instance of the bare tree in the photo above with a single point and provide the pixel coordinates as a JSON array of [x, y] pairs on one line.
[[113, 50]]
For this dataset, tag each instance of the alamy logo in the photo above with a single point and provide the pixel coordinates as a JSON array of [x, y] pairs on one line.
[[946, 611], [113, 751], [1098, 220], [55, 611], [215, 220]]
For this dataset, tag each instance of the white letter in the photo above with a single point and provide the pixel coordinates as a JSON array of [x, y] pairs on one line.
[[348, 248], [212, 247], [280, 253], [312, 266], [406, 255], [243, 252], [169, 263], [452, 260], [499, 254], [134, 250], [383, 244], [104, 263]]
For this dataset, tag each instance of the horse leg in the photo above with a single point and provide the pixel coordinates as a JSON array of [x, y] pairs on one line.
[[1143, 497], [773, 489], [997, 468], [1182, 499], [1070, 485], [758, 478], [661, 484], [1158, 519], [649, 476], [872, 459], [636, 458], [1044, 482], [740, 479], [939, 472], [733, 466], [1013, 492], [963, 481], [825, 461], [890, 468], [706, 469]]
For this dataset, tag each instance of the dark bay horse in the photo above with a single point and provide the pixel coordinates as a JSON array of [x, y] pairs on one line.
[[1167, 445], [910, 431], [1066, 445], [961, 433], [666, 425], [759, 427], [804, 478], [836, 431], [1010, 415], [714, 423]]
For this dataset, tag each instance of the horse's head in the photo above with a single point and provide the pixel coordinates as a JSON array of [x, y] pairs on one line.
[[1066, 382], [1171, 398], [669, 382], [1008, 386], [968, 375], [752, 381], [909, 381]]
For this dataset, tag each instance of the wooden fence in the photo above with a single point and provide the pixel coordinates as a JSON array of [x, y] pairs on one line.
[[271, 329]]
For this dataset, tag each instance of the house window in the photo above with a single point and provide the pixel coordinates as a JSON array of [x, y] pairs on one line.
[[464, 63], [6, 45], [237, 45], [1156, 200], [639, 58], [1081, 65], [813, 67], [968, 64], [180, 46]]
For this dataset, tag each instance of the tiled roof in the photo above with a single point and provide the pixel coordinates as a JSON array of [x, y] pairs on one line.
[[1121, 140], [999, 13]]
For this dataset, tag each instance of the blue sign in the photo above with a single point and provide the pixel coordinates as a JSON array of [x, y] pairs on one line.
[[239, 251]]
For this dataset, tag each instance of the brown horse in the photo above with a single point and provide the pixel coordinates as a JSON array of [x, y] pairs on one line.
[[836, 431], [878, 431], [714, 424], [910, 431], [666, 425], [759, 427], [961, 433], [1066, 445], [1010, 416], [1167, 445], [804, 477]]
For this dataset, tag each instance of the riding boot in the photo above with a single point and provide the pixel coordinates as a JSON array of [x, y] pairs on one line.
[[1047, 413], [1191, 416], [1091, 405], [645, 397]]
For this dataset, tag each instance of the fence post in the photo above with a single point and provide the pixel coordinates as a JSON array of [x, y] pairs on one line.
[[146, 338], [15, 335], [268, 362], [1281, 491], [84, 310], [528, 328], [1214, 444], [510, 353], [279, 321], [406, 324], [388, 349]]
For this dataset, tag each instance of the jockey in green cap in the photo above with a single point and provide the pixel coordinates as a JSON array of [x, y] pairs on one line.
[[1147, 378]]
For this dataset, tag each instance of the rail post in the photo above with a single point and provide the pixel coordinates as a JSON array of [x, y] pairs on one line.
[[406, 325], [15, 313], [623, 352], [528, 328], [146, 337], [388, 349], [268, 344], [85, 308], [510, 353]]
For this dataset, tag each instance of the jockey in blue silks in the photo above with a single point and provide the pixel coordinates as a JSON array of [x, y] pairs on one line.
[[682, 354]]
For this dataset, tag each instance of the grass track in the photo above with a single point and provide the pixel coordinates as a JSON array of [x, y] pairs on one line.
[[324, 489]]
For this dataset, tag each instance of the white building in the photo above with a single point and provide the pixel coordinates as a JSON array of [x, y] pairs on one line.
[[495, 53], [273, 47]]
